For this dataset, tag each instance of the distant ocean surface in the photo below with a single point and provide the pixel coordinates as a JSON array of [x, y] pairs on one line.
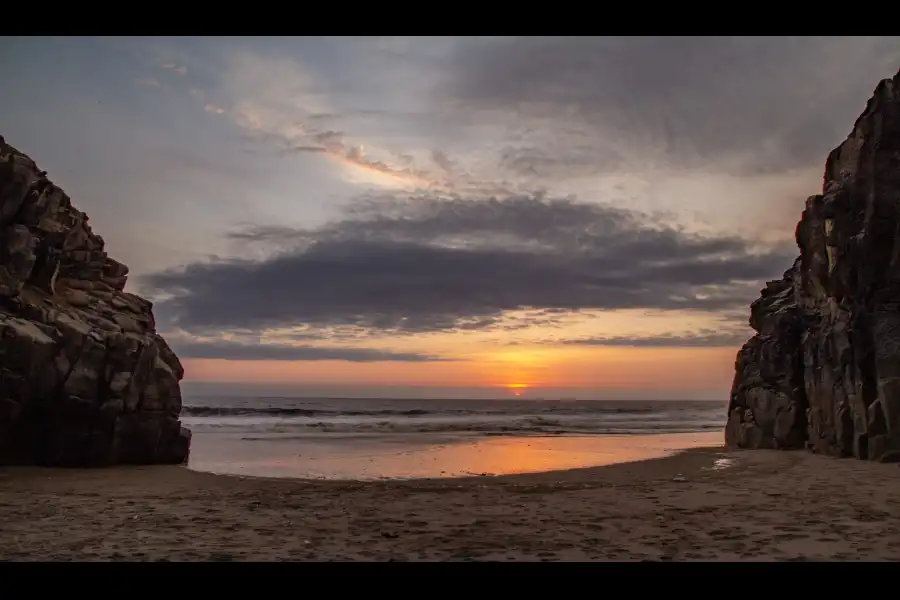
[[262, 418], [361, 438]]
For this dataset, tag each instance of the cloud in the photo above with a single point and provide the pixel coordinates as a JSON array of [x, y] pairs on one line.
[[291, 105], [179, 69], [229, 350], [272, 93], [435, 264], [739, 105], [441, 160], [147, 82], [560, 162], [700, 339], [332, 144], [285, 106], [507, 115]]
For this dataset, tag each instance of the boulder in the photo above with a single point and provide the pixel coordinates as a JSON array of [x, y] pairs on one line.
[[823, 370], [85, 380]]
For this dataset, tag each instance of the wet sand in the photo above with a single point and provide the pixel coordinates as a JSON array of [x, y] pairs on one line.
[[428, 455], [764, 506]]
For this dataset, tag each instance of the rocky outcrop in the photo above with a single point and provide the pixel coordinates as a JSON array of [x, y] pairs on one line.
[[84, 378], [823, 370]]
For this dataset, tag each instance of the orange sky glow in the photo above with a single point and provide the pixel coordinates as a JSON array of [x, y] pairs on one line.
[[358, 211], [602, 368]]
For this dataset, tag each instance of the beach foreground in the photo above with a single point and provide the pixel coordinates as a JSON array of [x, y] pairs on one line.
[[704, 504]]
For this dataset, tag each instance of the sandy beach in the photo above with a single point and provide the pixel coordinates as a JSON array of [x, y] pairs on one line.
[[704, 504]]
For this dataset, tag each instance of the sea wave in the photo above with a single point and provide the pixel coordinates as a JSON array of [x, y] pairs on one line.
[[226, 411], [347, 417], [305, 427]]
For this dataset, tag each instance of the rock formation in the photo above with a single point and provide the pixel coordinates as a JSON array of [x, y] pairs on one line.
[[84, 378], [823, 371]]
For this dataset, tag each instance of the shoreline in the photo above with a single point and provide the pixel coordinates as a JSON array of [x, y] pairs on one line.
[[703, 450], [13, 473], [768, 505], [427, 456]]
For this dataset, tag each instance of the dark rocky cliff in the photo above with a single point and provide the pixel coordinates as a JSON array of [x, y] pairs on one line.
[[823, 371], [84, 378]]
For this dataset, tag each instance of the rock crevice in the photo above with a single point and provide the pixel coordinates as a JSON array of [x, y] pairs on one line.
[[85, 380], [823, 370]]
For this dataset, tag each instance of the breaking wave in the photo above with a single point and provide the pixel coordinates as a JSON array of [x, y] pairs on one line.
[[286, 418], [205, 411]]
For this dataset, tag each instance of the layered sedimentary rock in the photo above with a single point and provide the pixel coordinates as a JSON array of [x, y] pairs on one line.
[[823, 370], [84, 378]]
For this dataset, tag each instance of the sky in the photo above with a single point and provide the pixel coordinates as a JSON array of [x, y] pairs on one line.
[[520, 214]]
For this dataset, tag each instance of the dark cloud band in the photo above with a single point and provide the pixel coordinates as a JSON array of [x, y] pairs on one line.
[[703, 339], [228, 350], [431, 264]]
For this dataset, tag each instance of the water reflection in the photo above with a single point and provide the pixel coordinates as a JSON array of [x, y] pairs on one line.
[[421, 456]]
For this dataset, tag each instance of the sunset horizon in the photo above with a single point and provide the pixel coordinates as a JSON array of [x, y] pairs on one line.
[[342, 211], [449, 298]]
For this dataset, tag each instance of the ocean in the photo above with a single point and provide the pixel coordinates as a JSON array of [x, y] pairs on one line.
[[364, 439]]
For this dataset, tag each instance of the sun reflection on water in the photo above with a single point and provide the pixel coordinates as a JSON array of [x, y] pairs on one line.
[[389, 457]]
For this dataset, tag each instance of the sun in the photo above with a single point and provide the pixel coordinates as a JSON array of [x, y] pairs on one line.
[[516, 370], [516, 388]]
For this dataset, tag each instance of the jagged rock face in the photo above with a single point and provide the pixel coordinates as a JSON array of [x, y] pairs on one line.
[[823, 371], [84, 378], [768, 404]]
